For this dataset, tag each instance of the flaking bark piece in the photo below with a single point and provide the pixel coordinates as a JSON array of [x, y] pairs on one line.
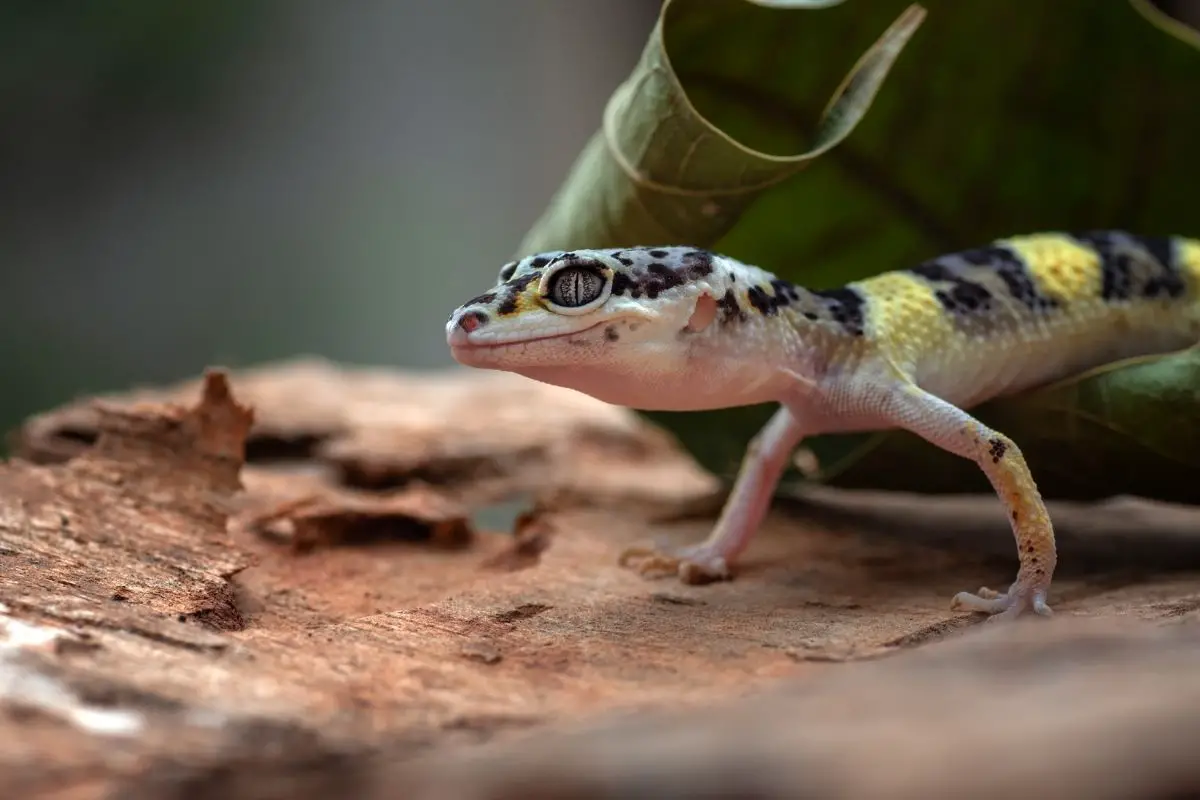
[[328, 517], [297, 403], [488, 435], [193, 454], [136, 524]]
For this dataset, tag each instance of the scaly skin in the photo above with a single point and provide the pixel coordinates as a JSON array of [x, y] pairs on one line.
[[678, 328]]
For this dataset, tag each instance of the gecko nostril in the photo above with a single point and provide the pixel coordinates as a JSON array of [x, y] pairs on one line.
[[472, 321]]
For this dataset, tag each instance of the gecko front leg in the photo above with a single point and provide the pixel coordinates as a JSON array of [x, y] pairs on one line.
[[762, 466]]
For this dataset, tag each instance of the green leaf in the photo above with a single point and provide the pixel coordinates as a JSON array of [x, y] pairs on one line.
[[658, 171], [1003, 118]]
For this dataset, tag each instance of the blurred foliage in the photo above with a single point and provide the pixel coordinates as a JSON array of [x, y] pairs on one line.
[[999, 118]]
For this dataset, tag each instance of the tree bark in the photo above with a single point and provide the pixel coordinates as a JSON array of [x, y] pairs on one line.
[[306, 581]]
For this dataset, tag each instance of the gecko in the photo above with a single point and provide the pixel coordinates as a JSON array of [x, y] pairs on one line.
[[678, 328]]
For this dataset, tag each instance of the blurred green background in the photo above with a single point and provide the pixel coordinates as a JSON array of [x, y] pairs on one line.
[[240, 180]]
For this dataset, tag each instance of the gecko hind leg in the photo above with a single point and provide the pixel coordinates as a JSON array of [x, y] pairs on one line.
[[954, 430], [762, 466]]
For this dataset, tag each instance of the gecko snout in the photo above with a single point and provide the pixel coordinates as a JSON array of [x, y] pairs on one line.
[[463, 323]]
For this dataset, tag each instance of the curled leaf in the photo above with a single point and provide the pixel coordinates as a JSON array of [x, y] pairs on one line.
[[659, 170]]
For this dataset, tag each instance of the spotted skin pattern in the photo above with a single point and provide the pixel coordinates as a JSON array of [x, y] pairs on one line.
[[681, 328]]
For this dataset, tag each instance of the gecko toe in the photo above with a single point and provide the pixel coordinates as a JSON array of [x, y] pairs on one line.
[[699, 565], [696, 564], [1017, 601], [649, 561]]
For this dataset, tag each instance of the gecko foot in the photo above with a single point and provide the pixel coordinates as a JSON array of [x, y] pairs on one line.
[[694, 564], [1004, 605]]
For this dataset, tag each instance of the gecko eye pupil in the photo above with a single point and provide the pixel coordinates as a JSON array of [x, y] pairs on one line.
[[576, 286]]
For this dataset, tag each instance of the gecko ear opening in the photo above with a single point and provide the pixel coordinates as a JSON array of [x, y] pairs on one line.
[[703, 314]]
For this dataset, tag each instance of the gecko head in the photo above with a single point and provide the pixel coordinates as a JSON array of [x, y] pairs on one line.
[[587, 315]]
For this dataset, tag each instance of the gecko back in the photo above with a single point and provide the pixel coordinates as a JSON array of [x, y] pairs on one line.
[[1030, 309]]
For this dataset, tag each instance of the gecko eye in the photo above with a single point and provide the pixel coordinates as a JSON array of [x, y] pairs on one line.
[[574, 287]]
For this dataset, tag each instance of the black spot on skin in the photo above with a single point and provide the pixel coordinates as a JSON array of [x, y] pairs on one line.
[[621, 284], [512, 291], [507, 271], [1168, 286], [782, 294], [482, 300], [730, 309], [659, 254], [787, 292], [651, 282], [664, 272], [847, 308], [1134, 267], [698, 264], [996, 449], [659, 278], [763, 302], [610, 333], [1013, 271], [1162, 248], [539, 262], [626, 261], [965, 296], [509, 305]]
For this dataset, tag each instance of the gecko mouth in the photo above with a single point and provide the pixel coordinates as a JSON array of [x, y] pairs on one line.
[[464, 345]]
